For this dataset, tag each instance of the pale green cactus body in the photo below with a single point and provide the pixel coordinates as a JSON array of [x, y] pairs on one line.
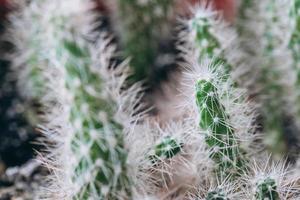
[[93, 159], [266, 189], [294, 44], [104, 161], [216, 195], [208, 44], [273, 123], [143, 24], [213, 117], [219, 133], [167, 148], [268, 77]]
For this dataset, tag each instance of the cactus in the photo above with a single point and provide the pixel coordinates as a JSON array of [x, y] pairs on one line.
[[206, 41], [166, 148], [214, 120], [294, 44], [92, 139], [143, 24], [266, 189], [216, 195], [270, 80], [220, 135]]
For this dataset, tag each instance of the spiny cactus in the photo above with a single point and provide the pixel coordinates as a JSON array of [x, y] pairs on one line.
[[203, 24], [220, 135], [213, 117], [266, 189], [266, 49], [167, 148], [270, 180], [294, 44], [84, 127], [216, 195], [143, 24]]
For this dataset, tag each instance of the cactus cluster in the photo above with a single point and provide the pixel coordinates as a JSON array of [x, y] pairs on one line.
[[231, 130]]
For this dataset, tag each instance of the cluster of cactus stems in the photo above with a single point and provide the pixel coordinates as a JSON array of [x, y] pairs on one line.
[[100, 140]]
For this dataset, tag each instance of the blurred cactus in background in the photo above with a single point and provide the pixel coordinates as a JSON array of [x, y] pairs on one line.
[[81, 78]]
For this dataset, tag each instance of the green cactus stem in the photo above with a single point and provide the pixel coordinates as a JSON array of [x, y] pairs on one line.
[[206, 41], [101, 136], [216, 195], [143, 23], [266, 189], [60, 62], [167, 148], [294, 45], [219, 133]]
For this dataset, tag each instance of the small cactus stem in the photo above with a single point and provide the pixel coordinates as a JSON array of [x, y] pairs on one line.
[[220, 134], [266, 189], [216, 195], [167, 148], [244, 6], [295, 37], [273, 87], [142, 26], [294, 45], [205, 38], [90, 159], [215, 190], [270, 76]]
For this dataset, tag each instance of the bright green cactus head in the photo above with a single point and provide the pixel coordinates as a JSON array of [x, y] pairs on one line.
[[266, 189], [167, 148], [216, 195]]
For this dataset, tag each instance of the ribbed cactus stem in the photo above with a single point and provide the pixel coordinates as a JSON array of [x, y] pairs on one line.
[[217, 194], [272, 88], [91, 160], [219, 133], [167, 148], [97, 143], [206, 41], [266, 189], [294, 44], [143, 24], [295, 37]]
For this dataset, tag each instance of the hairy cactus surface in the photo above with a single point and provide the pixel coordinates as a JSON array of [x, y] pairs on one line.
[[216, 195], [266, 48], [88, 136], [167, 148], [220, 135], [208, 43], [266, 189], [294, 44]]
